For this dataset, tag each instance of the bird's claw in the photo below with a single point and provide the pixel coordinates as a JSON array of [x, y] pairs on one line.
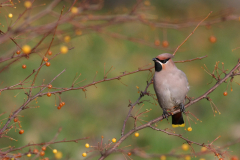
[[165, 114], [182, 108]]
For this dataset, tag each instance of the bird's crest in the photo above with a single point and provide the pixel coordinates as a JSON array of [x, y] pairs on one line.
[[164, 56]]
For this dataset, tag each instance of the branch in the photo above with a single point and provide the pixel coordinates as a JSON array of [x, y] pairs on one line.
[[108, 152]]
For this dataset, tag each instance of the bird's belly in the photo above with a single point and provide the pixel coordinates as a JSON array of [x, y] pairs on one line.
[[165, 100]]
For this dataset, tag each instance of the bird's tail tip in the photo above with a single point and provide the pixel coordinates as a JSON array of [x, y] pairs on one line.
[[177, 120], [178, 125]]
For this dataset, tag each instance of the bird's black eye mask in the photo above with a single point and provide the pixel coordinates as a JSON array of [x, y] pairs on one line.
[[158, 66], [163, 61]]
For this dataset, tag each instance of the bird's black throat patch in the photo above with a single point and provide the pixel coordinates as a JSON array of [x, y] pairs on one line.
[[158, 67]]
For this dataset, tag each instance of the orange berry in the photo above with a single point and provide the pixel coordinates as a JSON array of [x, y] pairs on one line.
[[48, 64], [46, 158], [212, 39], [35, 151], [24, 66], [157, 42], [44, 148], [42, 153], [59, 107], [18, 155], [78, 32], [15, 119], [165, 44], [60, 104], [18, 52], [63, 103], [221, 159], [45, 59], [21, 131], [49, 86], [49, 53], [225, 93], [49, 94], [129, 153], [234, 158]]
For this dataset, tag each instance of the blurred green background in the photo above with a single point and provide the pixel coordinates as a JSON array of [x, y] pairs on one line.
[[105, 107]]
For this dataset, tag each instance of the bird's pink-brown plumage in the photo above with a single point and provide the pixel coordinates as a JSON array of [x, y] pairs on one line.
[[170, 84]]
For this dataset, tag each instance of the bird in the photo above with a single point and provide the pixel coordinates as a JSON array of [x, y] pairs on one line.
[[171, 87]]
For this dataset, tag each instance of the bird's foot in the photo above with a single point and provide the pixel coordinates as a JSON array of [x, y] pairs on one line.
[[182, 108], [165, 114]]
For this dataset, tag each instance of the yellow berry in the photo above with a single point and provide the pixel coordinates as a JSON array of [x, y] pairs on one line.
[[189, 129], [74, 10], [28, 4], [187, 157], [67, 39], [64, 49], [114, 140], [185, 147], [29, 155], [10, 15], [58, 155], [78, 32], [203, 149], [26, 49], [87, 145], [202, 159], [163, 157], [136, 134], [54, 151], [147, 3], [84, 154]]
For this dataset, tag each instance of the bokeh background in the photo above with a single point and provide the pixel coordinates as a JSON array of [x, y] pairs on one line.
[[103, 110]]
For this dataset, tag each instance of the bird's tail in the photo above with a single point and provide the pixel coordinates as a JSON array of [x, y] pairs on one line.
[[177, 120]]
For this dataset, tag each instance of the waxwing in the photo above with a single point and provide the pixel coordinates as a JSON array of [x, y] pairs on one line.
[[171, 87]]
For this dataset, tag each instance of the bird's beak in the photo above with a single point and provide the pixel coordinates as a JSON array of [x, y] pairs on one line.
[[154, 59]]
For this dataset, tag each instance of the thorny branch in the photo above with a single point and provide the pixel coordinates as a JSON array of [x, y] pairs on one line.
[[45, 144], [13, 87], [150, 123]]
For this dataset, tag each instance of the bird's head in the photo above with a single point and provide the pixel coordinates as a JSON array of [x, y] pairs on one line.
[[163, 61]]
